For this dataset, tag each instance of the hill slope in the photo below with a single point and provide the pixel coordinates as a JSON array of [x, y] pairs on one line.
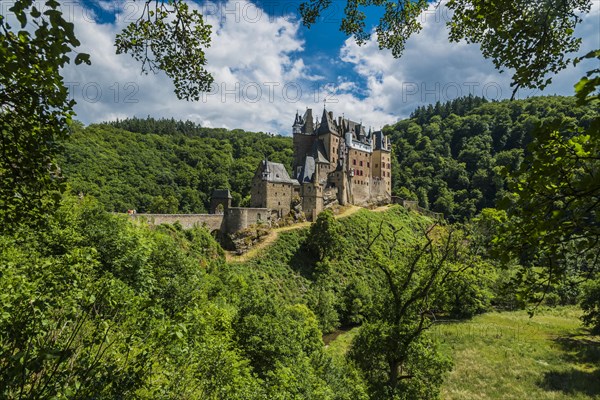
[[174, 171], [450, 156], [287, 269]]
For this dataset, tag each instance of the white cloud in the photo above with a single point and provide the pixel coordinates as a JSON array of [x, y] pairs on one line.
[[257, 63], [432, 69], [254, 59]]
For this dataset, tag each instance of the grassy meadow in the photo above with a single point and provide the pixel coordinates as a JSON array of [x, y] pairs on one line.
[[507, 355]]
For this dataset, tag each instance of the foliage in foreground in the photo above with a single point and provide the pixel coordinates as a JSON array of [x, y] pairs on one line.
[[381, 271], [95, 306]]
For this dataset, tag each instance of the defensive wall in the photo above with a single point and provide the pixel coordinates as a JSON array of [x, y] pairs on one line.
[[235, 219], [231, 220]]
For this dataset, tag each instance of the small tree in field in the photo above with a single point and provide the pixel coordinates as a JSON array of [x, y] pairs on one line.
[[396, 355]]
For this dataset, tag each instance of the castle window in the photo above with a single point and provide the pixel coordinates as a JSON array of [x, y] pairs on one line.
[[376, 165], [368, 164], [353, 162], [360, 163]]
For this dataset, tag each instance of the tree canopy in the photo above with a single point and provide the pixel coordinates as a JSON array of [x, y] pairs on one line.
[[165, 166], [453, 157], [531, 38]]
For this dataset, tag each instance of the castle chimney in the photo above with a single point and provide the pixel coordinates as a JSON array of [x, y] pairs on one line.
[[330, 115]]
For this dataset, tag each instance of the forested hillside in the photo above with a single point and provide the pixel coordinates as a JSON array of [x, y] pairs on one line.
[[165, 166], [107, 308], [451, 156]]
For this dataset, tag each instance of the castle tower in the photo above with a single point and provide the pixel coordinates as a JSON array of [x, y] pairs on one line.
[[382, 160], [303, 137], [220, 201]]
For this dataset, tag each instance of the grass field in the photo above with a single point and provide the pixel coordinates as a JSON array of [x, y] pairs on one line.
[[510, 356]]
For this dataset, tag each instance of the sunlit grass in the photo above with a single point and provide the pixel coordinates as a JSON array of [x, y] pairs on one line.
[[510, 356]]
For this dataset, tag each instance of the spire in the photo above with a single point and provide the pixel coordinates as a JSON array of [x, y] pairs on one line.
[[297, 127], [265, 172], [327, 124]]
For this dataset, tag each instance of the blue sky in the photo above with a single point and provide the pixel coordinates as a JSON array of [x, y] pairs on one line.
[[267, 65]]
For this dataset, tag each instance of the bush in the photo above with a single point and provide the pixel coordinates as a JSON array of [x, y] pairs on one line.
[[590, 304]]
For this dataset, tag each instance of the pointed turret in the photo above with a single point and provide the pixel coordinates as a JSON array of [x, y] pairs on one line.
[[297, 127], [327, 125]]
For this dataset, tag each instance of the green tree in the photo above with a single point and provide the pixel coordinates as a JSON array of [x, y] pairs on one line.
[[36, 111], [166, 37], [530, 37], [554, 198], [591, 305], [325, 240], [392, 348]]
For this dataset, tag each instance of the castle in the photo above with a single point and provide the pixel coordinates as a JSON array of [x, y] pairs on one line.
[[334, 160]]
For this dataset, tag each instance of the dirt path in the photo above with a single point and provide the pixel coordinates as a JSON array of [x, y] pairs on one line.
[[274, 233]]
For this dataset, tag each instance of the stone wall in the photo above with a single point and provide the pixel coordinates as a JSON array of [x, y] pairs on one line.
[[234, 219], [272, 195], [379, 191], [302, 144], [360, 191], [211, 221], [238, 218], [312, 200]]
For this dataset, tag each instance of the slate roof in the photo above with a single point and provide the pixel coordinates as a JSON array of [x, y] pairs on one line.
[[327, 124], [275, 173], [308, 122], [318, 152], [221, 194], [380, 141], [308, 170]]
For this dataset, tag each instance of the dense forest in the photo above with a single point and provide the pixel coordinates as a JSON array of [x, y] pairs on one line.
[[112, 308], [454, 157], [165, 166]]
